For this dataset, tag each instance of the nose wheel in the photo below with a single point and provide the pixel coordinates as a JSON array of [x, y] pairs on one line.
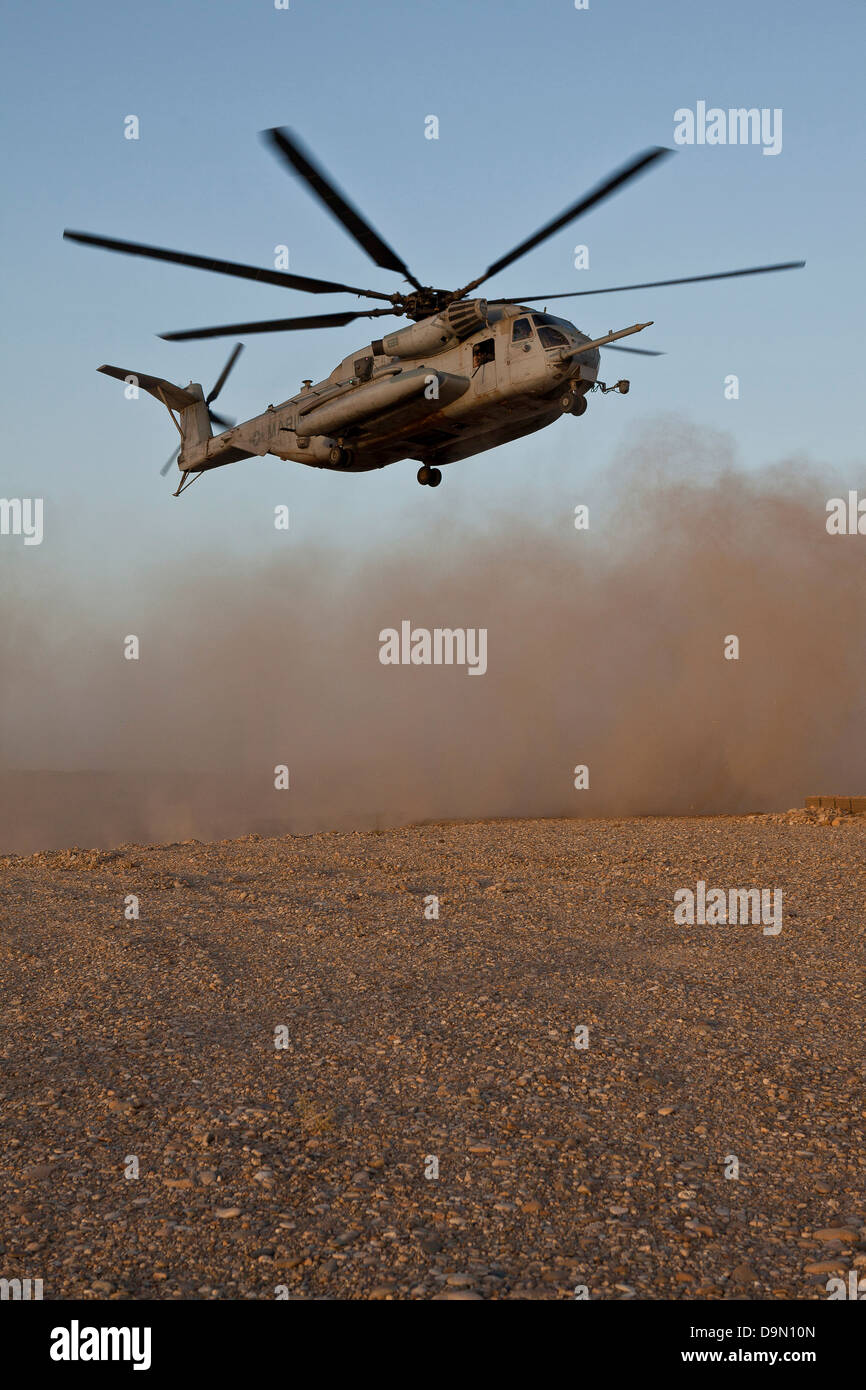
[[429, 477], [572, 403]]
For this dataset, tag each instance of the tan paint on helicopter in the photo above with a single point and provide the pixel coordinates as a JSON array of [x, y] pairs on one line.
[[487, 389]]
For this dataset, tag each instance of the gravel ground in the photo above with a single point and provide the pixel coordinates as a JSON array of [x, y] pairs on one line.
[[302, 1168]]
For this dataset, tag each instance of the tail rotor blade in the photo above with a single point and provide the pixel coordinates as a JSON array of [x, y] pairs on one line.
[[167, 466], [223, 376], [222, 420]]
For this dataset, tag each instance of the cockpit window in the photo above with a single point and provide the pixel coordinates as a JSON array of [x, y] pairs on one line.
[[552, 319], [551, 337], [522, 329]]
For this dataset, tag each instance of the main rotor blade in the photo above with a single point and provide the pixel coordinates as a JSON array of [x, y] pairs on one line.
[[656, 284], [638, 352], [604, 190], [221, 379], [275, 325], [241, 272], [289, 148]]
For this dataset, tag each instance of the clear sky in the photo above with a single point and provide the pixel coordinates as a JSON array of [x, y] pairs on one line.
[[536, 102]]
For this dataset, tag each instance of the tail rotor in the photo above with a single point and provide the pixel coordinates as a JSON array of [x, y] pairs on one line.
[[220, 420]]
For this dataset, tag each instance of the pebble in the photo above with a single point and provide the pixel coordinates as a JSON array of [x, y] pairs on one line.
[[553, 1169]]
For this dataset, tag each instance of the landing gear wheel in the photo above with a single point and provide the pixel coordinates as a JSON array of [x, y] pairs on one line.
[[434, 477], [566, 401], [423, 475], [338, 457], [579, 407]]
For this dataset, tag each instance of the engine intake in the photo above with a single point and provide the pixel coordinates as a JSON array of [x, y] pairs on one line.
[[441, 330]]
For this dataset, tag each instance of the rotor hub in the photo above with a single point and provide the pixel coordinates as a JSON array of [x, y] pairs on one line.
[[425, 302]]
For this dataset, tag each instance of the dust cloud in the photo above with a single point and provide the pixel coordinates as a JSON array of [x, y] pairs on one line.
[[605, 649]]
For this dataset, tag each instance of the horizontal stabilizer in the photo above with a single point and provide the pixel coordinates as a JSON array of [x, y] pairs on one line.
[[164, 391]]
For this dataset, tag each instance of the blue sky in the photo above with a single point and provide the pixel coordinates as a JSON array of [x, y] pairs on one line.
[[536, 102]]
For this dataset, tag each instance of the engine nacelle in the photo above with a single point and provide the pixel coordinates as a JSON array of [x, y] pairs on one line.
[[436, 333]]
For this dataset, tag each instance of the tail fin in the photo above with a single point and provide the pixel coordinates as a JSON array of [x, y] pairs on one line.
[[195, 425]]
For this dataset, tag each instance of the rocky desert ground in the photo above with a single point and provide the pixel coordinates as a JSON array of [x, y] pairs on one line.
[[287, 1077]]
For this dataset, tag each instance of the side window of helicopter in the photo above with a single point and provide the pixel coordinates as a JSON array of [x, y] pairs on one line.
[[551, 337], [483, 352], [522, 329]]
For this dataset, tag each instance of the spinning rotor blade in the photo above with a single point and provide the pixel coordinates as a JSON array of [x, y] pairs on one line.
[[221, 420], [221, 379], [655, 284], [286, 145], [167, 466], [241, 272], [639, 352], [604, 190], [276, 325]]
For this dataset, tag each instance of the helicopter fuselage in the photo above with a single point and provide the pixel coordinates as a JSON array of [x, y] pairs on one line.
[[445, 388]]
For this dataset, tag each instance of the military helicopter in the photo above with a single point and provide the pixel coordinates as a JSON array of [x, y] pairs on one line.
[[465, 376]]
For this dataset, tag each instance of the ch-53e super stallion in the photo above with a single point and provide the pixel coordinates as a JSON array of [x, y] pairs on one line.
[[467, 375]]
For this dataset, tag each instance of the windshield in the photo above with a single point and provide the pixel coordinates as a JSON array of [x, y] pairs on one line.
[[550, 330], [551, 319], [551, 337]]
